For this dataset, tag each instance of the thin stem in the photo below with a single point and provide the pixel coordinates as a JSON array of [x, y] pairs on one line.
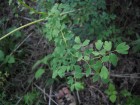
[[45, 94], [31, 23], [26, 25], [64, 38], [70, 12], [87, 63], [30, 8], [112, 75]]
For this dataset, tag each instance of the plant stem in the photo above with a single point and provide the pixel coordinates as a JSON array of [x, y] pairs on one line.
[[64, 38], [26, 25], [31, 23]]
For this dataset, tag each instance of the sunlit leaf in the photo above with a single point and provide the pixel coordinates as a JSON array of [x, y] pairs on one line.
[[99, 44], [77, 40], [104, 73], [122, 48], [107, 45]]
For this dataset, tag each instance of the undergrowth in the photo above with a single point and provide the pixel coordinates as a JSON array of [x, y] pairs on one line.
[[86, 43]]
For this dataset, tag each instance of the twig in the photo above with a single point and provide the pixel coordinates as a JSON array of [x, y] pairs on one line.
[[50, 95], [21, 43], [133, 86], [45, 94], [70, 11], [19, 101], [125, 76], [31, 23], [104, 98], [78, 97], [19, 28], [26, 18], [31, 80], [18, 46], [112, 75]]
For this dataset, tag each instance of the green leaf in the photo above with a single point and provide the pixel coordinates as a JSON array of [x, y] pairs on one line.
[[76, 47], [88, 72], [30, 97], [80, 57], [77, 39], [72, 87], [10, 59], [113, 59], [62, 70], [114, 92], [105, 81], [99, 44], [55, 32], [49, 81], [95, 53], [102, 52], [78, 72], [97, 65], [125, 93], [95, 77], [105, 58], [70, 80], [104, 73], [86, 42], [107, 45], [78, 54], [1, 55], [78, 86], [55, 73], [39, 73], [86, 58], [88, 51], [122, 48], [113, 98], [111, 87]]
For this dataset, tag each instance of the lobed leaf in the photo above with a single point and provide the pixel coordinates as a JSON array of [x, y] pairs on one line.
[[122, 48], [99, 44], [77, 39], [107, 45], [113, 59], [86, 42]]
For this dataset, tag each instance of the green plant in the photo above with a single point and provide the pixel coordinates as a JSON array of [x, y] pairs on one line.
[[4, 100], [111, 92], [136, 44], [68, 24], [129, 99], [3, 77], [30, 97], [73, 58]]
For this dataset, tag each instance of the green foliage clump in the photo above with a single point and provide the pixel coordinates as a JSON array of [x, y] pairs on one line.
[[30, 97], [73, 58]]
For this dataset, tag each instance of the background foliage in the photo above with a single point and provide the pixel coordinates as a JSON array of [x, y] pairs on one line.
[[78, 41]]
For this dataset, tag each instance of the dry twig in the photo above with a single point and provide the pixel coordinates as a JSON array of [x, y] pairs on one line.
[[45, 94]]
